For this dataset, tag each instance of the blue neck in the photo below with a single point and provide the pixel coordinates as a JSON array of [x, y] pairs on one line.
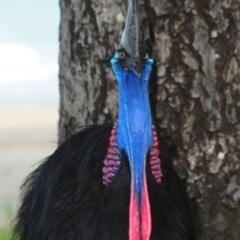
[[134, 133]]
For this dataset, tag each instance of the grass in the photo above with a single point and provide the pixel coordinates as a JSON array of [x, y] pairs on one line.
[[5, 234], [5, 230]]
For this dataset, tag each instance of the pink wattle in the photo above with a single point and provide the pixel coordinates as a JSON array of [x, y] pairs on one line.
[[140, 223], [134, 218], [146, 221]]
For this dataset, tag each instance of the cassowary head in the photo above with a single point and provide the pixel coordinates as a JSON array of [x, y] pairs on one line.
[[132, 67]]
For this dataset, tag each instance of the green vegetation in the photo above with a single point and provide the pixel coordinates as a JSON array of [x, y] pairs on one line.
[[5, 234], [8, 216]]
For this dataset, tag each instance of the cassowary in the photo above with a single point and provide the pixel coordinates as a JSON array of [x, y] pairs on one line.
[[111, 182]]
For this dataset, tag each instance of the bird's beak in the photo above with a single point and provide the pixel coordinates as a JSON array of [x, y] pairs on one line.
[[133, 41]]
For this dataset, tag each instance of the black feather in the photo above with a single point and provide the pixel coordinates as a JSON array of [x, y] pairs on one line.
[[64, 199]]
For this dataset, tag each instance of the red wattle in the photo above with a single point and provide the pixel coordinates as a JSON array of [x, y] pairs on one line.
[[140, 223], [134, 218], [146, 221]]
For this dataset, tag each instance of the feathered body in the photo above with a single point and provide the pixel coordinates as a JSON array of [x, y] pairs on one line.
[[112, 182], [64, 199]]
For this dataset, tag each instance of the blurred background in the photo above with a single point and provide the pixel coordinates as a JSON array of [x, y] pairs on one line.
[[28, 93]]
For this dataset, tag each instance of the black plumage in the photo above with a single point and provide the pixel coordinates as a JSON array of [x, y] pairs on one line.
[[110, 182], [64, 198]]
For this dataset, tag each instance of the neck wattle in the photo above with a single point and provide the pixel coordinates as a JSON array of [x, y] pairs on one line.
[[134, 137]]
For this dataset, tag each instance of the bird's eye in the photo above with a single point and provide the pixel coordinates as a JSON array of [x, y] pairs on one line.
[[144, 56], [122, 55]]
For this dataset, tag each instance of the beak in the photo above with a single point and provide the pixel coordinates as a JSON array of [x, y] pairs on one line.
[[133, 41]]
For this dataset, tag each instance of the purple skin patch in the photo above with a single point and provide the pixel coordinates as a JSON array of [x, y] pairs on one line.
[[112, 161], [155, 162]]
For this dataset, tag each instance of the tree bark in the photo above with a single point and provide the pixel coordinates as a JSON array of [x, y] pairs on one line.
[[194, 91]]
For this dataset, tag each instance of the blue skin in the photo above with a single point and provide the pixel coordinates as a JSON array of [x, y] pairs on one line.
[[134, 132]]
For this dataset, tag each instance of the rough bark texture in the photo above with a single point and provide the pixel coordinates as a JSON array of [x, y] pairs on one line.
[[194, 90]]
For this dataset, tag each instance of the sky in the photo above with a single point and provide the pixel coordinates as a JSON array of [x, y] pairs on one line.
[[29, 52], [29, 96]]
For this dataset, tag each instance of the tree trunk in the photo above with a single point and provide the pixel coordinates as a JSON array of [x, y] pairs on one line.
[[194, 91]]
